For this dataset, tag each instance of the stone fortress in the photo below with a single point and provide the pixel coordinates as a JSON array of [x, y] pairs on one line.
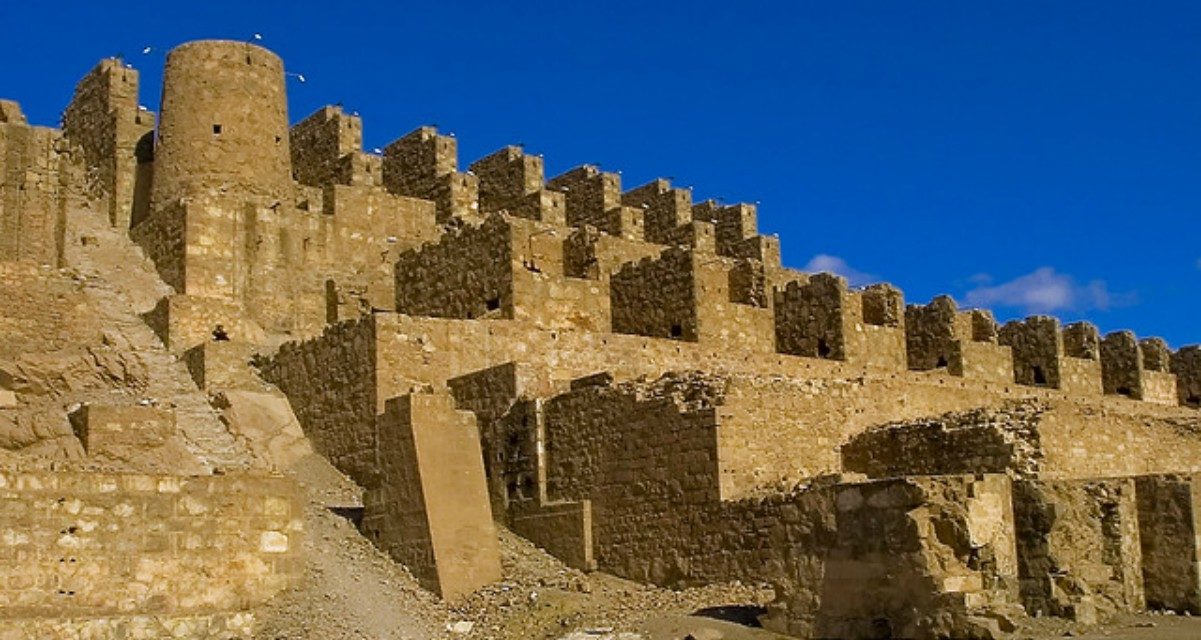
[[628, 379]]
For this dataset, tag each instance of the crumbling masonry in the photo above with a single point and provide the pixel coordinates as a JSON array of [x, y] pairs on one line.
[[629, 379]]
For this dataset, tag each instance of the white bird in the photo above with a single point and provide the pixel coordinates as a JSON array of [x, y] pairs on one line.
[[378, 150], [300, 77], [258, 36], [146, 50]]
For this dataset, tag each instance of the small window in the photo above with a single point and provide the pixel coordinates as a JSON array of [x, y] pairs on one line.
[[278, 139], [492, 303], [248, 60], [1125, 391], [1039, 376], [677, 331], [216, 129], [823, 348]]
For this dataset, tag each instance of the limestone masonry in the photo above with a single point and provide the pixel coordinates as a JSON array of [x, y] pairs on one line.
[[195, 304]]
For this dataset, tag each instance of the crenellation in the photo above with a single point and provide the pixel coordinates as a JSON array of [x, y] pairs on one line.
[[1082, 340], [1124, 371], [809, 317], [665, 208], [632, 382], [734, 223], [424, 164], [10, 113], [1121, 365], [1156, 354], [1037, 345], [590, 194], [748, 283], [883, 305], [940, 336], [326, 149], [1186, 366], [657, 297]]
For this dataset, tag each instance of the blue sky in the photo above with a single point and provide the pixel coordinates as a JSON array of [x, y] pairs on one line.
[[1025, 156]]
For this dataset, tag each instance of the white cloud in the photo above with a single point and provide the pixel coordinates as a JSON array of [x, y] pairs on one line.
[[1045, 290], [834, 264]]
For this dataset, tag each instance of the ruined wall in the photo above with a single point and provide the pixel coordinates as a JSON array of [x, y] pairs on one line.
[[36, 186], [1078, 548], [979, 441], [643, 455], [921, 557], [429, 510], [332, 385], [106, 125], [105, 546], [1168, 527]]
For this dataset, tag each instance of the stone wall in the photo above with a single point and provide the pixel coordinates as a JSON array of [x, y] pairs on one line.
[[466, 275], [429, 510], [656, 297], [331, 383], [1168, 510], [37, 182], [979, 441], [106, 124], [102, 546], [1186, 366], [1078, 548]]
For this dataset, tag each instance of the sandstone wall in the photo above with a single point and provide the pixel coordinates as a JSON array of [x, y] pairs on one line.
[[1168, 510], [429, 510], [332, 385], [107, 125], [181, 550], [36, 185], [1078, 547]]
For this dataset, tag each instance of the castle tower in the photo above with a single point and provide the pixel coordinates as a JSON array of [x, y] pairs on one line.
[[223, 131], [222, 195]]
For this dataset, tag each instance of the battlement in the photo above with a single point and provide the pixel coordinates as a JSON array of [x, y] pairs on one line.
[[1124, 369], [424, 164], [664, 208], [1041, 359], [822, 318], [327, 149], [511, 181], [939, 336]]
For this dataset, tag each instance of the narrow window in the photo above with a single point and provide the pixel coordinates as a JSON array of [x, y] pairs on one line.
[[823, 349], [677, 331], [216, 129], [1039, 376]]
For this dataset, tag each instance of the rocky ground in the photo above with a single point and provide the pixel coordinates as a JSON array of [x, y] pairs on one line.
[[353, 592]]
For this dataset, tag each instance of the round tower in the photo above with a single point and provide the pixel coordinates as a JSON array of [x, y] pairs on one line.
[[223, 125]]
